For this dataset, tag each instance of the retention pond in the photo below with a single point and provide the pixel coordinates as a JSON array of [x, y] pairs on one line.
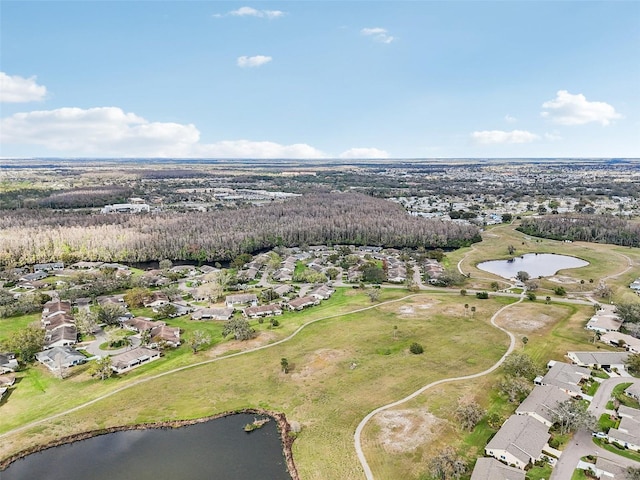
[[535, 264]]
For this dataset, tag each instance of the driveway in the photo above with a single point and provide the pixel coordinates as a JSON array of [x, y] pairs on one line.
[[582, 442], [94, 347]]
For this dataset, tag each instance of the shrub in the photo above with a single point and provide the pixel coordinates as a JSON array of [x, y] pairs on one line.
[[416, 348], [482, 295]]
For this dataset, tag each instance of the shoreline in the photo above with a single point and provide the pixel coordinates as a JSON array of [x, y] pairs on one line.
[[284, 428]]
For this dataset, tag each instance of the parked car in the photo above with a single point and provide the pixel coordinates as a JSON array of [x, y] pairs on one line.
[[599, 435]]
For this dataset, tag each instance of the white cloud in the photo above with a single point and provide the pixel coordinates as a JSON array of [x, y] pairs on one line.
[[552, 137], [109, 131], [252, 12], [255, 61], [364, 153], [16, 89], [568, 109], [498, 137], [510, 119], [378, 34]]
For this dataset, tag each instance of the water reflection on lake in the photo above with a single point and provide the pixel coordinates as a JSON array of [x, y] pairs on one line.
[[216, 450], [536, 265]]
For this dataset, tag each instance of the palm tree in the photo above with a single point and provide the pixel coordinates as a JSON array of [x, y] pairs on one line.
[[466, 309]]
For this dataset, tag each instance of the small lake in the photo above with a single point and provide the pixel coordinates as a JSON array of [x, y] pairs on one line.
[[536, 265], [215, 450]]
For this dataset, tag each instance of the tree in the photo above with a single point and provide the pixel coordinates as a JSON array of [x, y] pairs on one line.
[[572, 415], [604, 291], [522, 276], [165, 264], [240, 329], [547, 300], [395, 331], [136, 297], [506, 217], [86, 322], [374, 294], [531, 296], [241, 260], [473, 311], [511, 249], [197, 340], [284, 363], [520, 365], [212, 291], [628, 312], [447, 465], [560, 291], [373, 273], [109, 313], [466, 309], [167, 310], [463, 292], [495, 286], [416, 348], [633, 364], [515, 389], [532, 285], [468, 413], [274, 261], [482, 295], [101, 368], [25, 343], [332, 273]]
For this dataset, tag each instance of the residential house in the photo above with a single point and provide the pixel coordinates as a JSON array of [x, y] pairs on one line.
[[633, 391], [282, 290], [141, 324], [628, 432], [492, 469], [157, 299], [606, 360], [32, 277], [303, 302], [48, 267], [542, 403], [212, 314], [133, 358], [519, 442], [58, 320], [608, 470], [208, 269], [565, 376], [323, 292], [86, 265], [55, 307], [241, 299], [62, 336], [262, 311], [8, 362], [605, 320], [622, 340], [248, 275], [3, 391], [7, 380], [635, 285], [163, 334], [60, 357], [115, 299]]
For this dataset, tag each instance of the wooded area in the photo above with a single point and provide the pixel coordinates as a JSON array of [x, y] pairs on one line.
[[32, 236], [585, 228]]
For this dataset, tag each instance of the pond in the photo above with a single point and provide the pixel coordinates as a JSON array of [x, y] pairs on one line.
[[535, 264], [219, 449]]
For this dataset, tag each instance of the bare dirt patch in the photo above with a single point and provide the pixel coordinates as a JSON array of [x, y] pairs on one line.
[[321, 361], [529, 320], [561, 279], [405, 430], [236, 345]]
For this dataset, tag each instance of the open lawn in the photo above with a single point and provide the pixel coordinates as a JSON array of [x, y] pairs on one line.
[[338, 376], [13, 324]]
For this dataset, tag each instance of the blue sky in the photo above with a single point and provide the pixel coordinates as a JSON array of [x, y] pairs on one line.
[[305, 79]]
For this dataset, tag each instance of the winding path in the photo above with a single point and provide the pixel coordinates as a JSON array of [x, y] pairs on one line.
[[365, 420], [205, 362]]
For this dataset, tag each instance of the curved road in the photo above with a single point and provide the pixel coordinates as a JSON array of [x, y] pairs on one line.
[[205, 362], [365, 420]]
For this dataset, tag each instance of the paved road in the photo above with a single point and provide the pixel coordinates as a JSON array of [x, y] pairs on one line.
[[94, 347], [582, 442], [358, 434]]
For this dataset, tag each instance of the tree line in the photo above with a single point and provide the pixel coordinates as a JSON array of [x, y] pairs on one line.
[[33, 236], [585, 228]]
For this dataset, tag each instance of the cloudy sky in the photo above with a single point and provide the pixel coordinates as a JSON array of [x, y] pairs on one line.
[[304, 79]]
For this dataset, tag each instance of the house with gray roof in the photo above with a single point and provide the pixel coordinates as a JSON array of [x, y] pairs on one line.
[[605, 320], [542, 403], [303, 302], [60, 357], [605, 360], [8, 362], [123, 362], [565, 376], [629, 343], [519, 442], [241, 299], [212, 314], [633, 391], [62, 336], [628, 432], [607, 469], [262, 311], [492, 469]]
